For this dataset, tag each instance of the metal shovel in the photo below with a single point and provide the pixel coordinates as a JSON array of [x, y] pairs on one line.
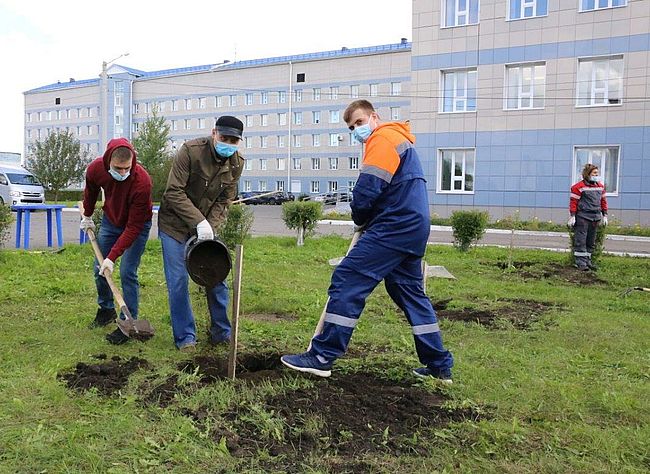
[[630, 290]]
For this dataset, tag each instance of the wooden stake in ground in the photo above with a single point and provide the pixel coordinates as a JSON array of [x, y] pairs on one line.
[[236, 291]]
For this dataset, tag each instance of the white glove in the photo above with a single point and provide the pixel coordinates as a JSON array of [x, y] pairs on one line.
[[572, 221], [106, 266], [204, 231], [87, 223], [604, 221]]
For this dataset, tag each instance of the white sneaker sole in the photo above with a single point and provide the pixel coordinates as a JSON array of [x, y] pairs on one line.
[[309, 370], [435, 379]]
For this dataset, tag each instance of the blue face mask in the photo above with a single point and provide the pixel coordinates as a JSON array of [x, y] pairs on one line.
[[362, 132], [596, 179], [225, 149], [117, 176]]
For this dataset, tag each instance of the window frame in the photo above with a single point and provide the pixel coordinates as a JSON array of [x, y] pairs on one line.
[[522, 7], [596, 8], [576, 174], [439, 189], [443, 14], [443, 73], [591, 90], [508, 67]]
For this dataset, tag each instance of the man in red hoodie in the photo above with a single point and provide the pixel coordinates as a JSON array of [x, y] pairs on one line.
[[124, 230]]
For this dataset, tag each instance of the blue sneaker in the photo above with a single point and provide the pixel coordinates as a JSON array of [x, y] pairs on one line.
[[426, 372], [307, 363]]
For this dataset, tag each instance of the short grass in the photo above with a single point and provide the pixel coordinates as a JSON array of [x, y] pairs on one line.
[[571, 396]]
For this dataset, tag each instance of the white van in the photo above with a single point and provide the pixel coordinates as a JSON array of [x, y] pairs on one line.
[[19, 186]]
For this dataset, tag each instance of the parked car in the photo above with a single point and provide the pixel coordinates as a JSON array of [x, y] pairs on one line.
[[333, 198], [19, 186], [256, 197]]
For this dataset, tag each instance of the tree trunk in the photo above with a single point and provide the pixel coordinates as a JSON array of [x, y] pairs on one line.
[[301, 236]]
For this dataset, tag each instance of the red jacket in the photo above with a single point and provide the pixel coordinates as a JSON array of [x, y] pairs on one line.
[[588, 200], [128, 203]]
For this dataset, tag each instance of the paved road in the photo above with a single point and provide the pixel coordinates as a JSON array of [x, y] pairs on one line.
[[268, 221]]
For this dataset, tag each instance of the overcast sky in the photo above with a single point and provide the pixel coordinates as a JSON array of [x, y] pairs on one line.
[[42, 42]]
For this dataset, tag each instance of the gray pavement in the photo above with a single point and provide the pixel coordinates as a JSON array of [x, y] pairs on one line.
[[268, 221]]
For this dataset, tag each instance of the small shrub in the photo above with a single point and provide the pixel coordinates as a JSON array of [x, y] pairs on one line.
[[303, 216], [236, 228], [6, 219], [64, 195], [469, 227], [98, 216]]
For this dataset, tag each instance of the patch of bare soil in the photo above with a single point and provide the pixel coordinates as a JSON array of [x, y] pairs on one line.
[[269, 317], [521, 313], [566, 273], [107, 377], [346, 416], [249, 367]]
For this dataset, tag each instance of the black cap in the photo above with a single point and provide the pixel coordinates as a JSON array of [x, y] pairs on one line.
[[229, 126]]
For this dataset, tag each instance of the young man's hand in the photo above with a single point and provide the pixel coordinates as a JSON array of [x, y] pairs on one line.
[[106, 266], [204, 231], [87, 223]]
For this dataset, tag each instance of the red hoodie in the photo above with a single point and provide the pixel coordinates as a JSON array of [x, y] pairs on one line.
[[128, 203]]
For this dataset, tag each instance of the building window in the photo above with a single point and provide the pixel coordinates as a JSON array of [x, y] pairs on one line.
[[263, 164], [334, 92], [394, 113], [354, 162], [456, 171], [315, 164], [201, 123], [315, 140], [233, 100], [334, 116], [600, 81], [315, 116], [188, 105], [265, 142], [314, 187], [174, 125], [333, 163], [89, 130], [334, 139], [279, 185], [118, 120], [525, 84], [316, 93], [298, 95], [264, 119], [395, 88], [202, 103], [29, 117], [459, 12], [297, 118], [264, 98], [282, 118], [296, 163], [282, 97], [527, 9], [78, 132], [174, 106], [247, 185], [29, 134], [296, 141], [459, 90], [136, 127], [249, 120], [136, 108], [374, 90], [188, 124], [218, 101], [332, 186], [248, 142], [90, 111], [249, 99], [262, 185], [607, 160], [280, 141], [354, 91], [248, 165], [351, 185], [49, 115], [280, 164], [587, 5]]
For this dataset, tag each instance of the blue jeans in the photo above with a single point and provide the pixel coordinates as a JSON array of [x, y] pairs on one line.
[[129, 263], [183, 325]]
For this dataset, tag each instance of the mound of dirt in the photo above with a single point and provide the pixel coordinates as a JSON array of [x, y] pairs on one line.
[[347, 414], [559, 271], [107, 377], [249, 367], [520, 313]]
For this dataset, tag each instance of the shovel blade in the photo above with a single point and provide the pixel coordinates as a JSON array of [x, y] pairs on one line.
[[140, 329]]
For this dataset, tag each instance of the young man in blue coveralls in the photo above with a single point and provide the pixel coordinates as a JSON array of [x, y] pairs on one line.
[[390, 204]]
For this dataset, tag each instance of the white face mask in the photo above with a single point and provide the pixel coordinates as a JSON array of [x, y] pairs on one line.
[[117, 176]]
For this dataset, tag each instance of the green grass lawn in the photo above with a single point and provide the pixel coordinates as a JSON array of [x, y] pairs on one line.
[[568, 392]]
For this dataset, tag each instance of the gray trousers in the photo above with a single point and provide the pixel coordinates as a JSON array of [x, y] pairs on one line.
[[584, 240]]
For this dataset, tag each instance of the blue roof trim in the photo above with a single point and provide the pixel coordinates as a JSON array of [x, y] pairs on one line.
[[339, 53]]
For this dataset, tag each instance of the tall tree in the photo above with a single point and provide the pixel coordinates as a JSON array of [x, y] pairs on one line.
[[58, 161], [151, 145]]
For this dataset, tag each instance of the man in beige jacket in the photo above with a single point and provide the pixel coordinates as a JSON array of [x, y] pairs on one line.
[[202, 183]]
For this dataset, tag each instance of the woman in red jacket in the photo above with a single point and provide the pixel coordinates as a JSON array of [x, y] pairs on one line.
[[588, 208]]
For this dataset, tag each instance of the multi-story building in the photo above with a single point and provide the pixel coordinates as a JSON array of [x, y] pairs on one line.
[[513, 97], [292, 108]]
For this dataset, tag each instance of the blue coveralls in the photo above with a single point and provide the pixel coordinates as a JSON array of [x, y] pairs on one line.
[[390, 198]]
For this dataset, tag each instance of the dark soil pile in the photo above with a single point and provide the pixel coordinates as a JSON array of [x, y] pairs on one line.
[[249, 367], [520, 313], [107, 377], [558, 271]]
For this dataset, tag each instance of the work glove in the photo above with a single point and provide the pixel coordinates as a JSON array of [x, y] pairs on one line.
[[87, 223], [572, 221], [204, 231], [106, 266], [603, 222]]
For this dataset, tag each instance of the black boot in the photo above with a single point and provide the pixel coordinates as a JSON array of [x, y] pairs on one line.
[[117, 337], [592, 266], [103, 318]]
